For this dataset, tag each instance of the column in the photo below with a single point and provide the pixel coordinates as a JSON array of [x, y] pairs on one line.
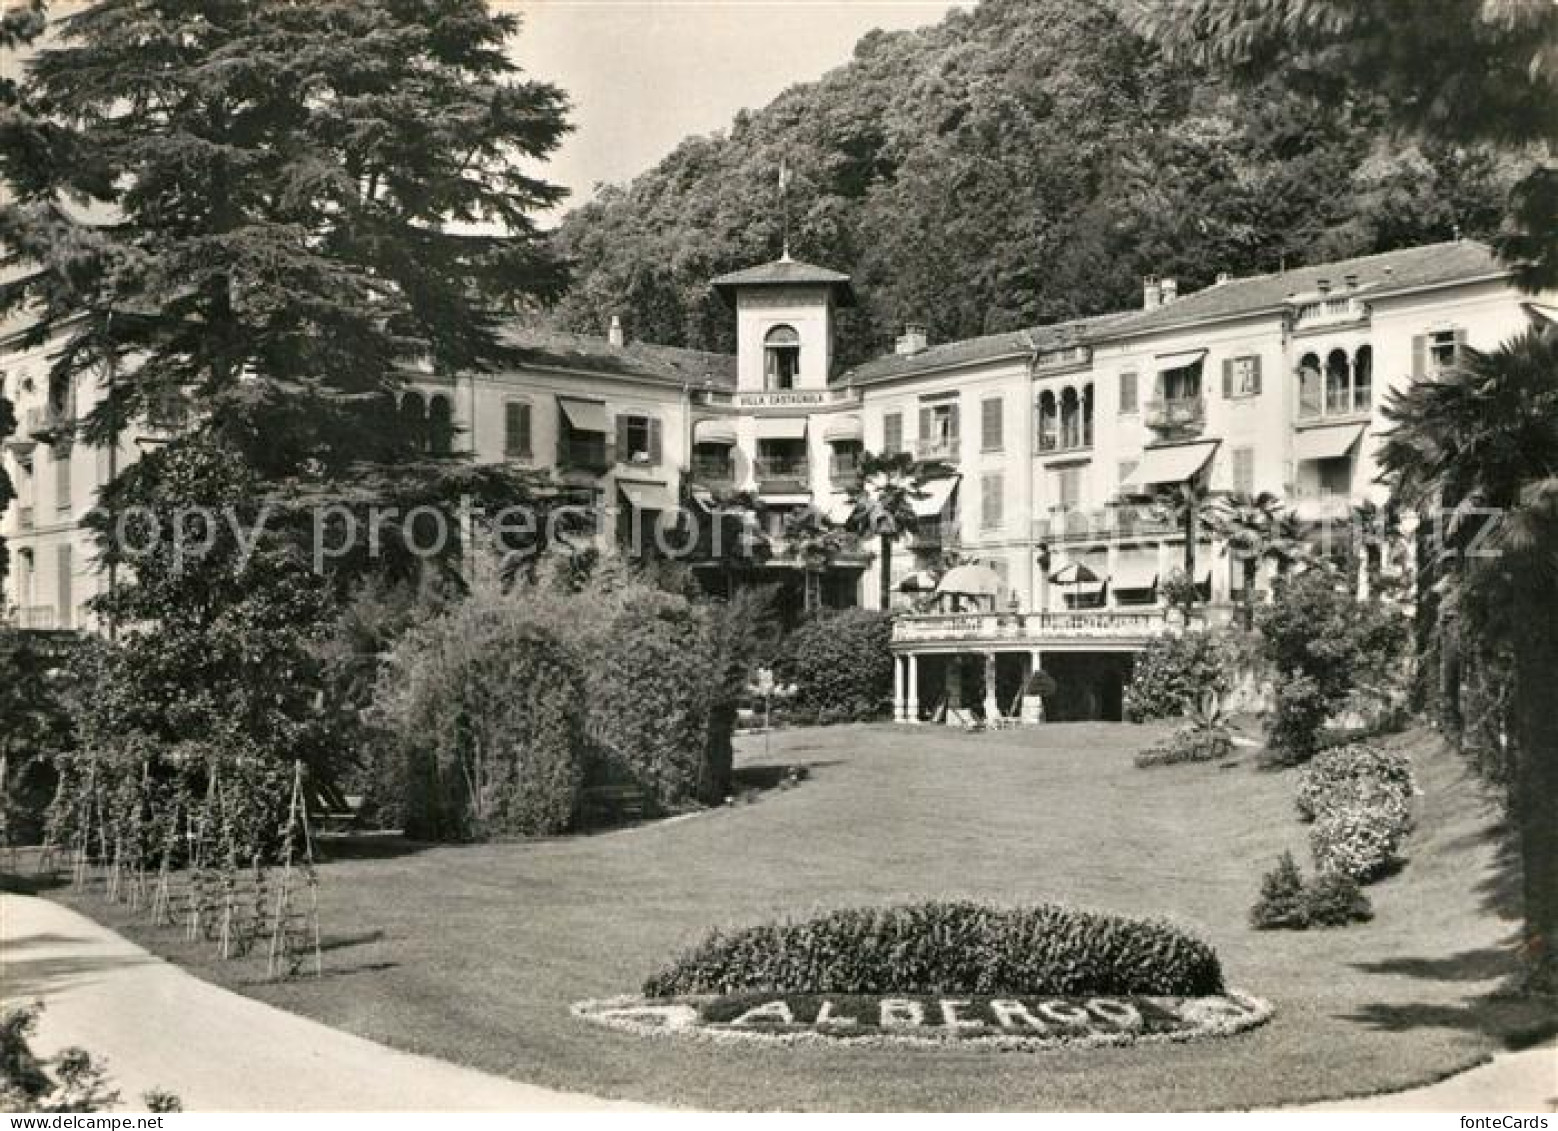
[[911, 704], [1033, 705], [898, 702], [1112, 557], [992, 702]]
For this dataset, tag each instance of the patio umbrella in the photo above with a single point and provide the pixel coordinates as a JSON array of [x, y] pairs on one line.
[[970, 581], [921, 581], [1075, 574]]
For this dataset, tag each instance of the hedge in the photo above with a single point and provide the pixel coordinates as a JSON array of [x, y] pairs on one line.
[[948, 948], [1189, 744], [1175, 670], [1333, 773], [841, 664]]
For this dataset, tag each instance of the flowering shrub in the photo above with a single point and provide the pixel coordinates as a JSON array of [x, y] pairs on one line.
[[1358, 837], [1176, 670], [1189, 744], [1343, 771], [948, 948]]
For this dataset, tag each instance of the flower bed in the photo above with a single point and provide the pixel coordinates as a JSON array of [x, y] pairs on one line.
[[1014, 1023]]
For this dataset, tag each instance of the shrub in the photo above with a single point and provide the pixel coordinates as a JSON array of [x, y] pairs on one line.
[[1176, 670], [1281, 903], [1357, 837], [485, 706], [1189, 744], [948, 948], [1340, 772], [1298, 713], [71, 1081], [841, 664], [1332, 899]]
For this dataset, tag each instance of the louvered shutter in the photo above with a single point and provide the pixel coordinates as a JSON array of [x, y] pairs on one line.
[[66, 599], [990, 425], [655, 449], [624, 445], [1419, 354], [1227, 378], [1255, 375], [1128, 392], [927, 425]]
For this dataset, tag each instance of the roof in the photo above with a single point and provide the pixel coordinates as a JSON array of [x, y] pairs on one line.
[[1010, 343], [786, 272], [1377, 275], [559, 349]]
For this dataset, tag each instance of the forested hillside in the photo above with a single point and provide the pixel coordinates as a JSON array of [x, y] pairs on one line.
[[1016, 164]]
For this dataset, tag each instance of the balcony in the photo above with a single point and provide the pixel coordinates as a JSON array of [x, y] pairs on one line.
[[1051, 443], [709, 470], [1102, 524], [1180, 416], [1339, 402], [783, 474], [1101, 629], [1325, 313], [1065, 357], [583, 452], [943, 448]]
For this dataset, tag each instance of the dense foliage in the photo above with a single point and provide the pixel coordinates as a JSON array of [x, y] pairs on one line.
[[1325, 646], [1289, 902], [841, 664], [1189, 744], [949, 948], [1359, 834], [1173, 672], [7, 488], [35, 702], [1344, 770], [1017, 163]]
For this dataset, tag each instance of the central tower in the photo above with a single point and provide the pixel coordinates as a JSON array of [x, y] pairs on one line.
[[784, 324]]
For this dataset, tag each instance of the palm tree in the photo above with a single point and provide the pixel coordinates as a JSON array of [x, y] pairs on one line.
[[882, 502], [731, 539], [1376, 530], [1485, 434], [1186, 504], [1248, 526], [814, 541]]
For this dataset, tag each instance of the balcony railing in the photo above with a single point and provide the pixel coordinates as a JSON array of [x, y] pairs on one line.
[[782, 473], [1065, 357], [1330, 312], [1037, 628], [587, 452], [1103, 524], [939, 447], [1176, 414], [1051, 443], [1355, 401]]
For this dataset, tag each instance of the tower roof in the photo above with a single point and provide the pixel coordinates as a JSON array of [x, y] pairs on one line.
[[786, 272]]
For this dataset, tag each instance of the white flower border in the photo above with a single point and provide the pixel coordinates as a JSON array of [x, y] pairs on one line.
[[676, 1017]]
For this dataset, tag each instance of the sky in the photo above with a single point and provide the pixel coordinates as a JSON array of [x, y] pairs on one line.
[[643, 74]]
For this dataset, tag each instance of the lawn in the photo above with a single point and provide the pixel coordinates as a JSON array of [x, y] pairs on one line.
[[474, 954]]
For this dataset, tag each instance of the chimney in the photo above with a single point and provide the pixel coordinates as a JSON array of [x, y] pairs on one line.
[[615, 335], [1151, 292], [1170, 290], [1323, 286], [1223, 278], [1351, 281], [913, 340]]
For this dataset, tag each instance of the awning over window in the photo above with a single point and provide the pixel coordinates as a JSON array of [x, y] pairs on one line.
[[647, 496], [1169, 465], [785, 498], [843, 428], [781, 428], [585, 416], [1326, 443], [714, 432], [938, 492], [1178, 360], [1135, 571]]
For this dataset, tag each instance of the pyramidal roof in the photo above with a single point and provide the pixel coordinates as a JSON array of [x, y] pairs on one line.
[[786, 272]]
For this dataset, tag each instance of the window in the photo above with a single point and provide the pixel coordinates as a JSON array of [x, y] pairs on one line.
[[1444, 348], [440, 425], [892, 433], [638, 439], [1182, 384], [992, 494], [1244, 470], [62, 491], [516, 429], [990, 424], [781, 358], [1128, 392], [63, 568], [939, 432], [1241, 377]]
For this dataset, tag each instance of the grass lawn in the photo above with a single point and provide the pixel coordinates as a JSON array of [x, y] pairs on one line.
[[474, 954]]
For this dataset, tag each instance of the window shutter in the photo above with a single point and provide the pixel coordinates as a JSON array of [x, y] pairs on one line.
[[623, 444], [952, 422], [63, 582], [990, 424], [892, 433], [1419, 354], [655, 450], [62, 487], [1128, 392], [992, 489], [927, 424], [1255, 374], [516, 428], [1227, 378], [1460, 344]]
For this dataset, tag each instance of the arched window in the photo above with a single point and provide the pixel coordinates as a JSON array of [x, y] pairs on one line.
[[1048, 435], [1338, 377], [440, 425], [1087, 416], [781, 358], [1309, 385], [413, 420], [1070, 419], [1363, 379]]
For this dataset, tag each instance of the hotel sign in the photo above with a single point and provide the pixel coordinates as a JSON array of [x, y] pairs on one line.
[[789, 398]]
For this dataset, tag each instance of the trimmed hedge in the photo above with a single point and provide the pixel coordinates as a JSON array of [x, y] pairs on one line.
[[842, 666], [960, 947]]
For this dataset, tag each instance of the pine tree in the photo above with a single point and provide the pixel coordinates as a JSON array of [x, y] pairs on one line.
[[287, 208]]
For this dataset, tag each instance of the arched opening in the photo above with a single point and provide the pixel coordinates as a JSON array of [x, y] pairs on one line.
[[1087, 416], [1309, 385], [1049, 437], [1338, 378], [413, 420], [440, 425], [1070, 419], [781, 358], [1363, 379]]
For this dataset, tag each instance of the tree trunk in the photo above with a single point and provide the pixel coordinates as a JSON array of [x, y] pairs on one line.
[[1251, 565], [1190, 543], [886, 587], [1535, 786]]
